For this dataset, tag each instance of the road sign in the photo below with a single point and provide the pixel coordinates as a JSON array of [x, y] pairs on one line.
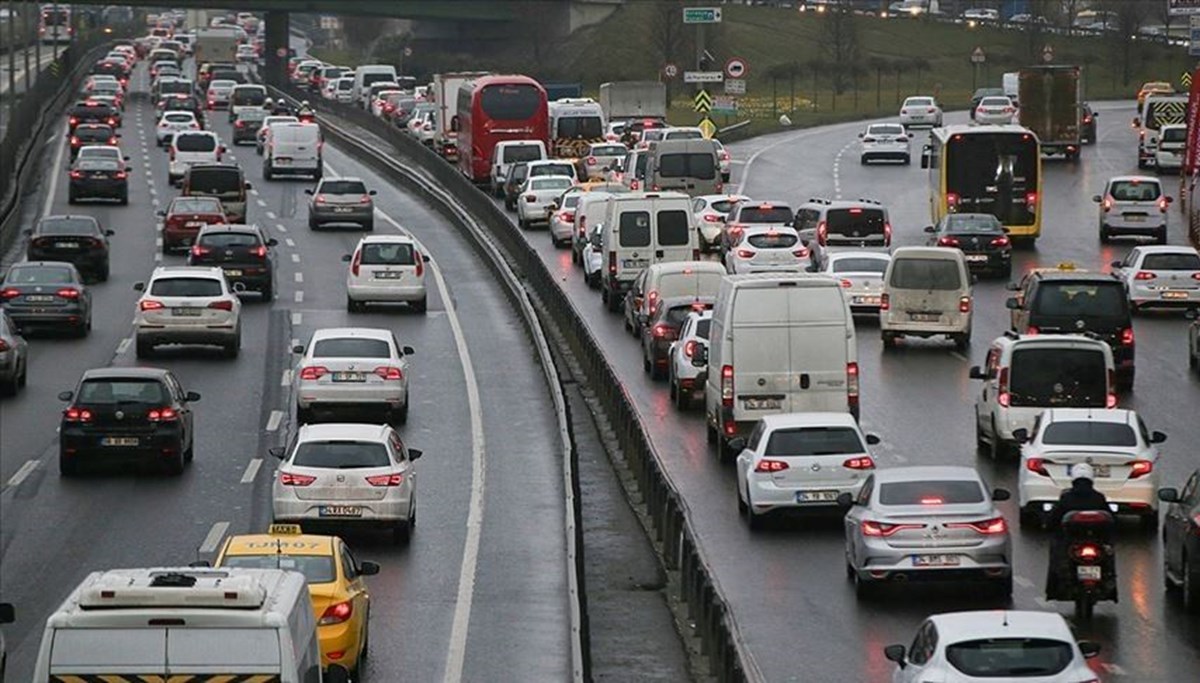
[[736, 68], [1048, 54], [735, 86], [707, 128], [978, 56], [1185, 80], [281, 52], [703, 76], [703, 102], [407, 51], [1182, 7], [701, 15], [1194, 35], [670, 70], [724, 104]]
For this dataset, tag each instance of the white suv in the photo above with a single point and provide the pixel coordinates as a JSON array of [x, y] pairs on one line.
[[192, 147], [1133, 206], [187, 305], [386, 268], [352, 368]]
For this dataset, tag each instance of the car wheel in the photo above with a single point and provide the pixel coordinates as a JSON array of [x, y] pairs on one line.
[[864, 590], [24, 379], [962, 342], [998, 448], [124, 199], [1029, 517], [889, 340], [402, 532], [656, 372], [575, 258], [10, 387], [741, 502], [144, 348], [1105, 236], [1006, 271], [1003, 588], [1162, 236], [907, 159], [234, 347], [647, 366], [190, 454], [1191, 587], [353, 306], [267, 174], [304, 415], [268, 291], [369, 226], [862, 160], [67, 467], [401, 413], [174, 466], [420, 305], [71, 197]]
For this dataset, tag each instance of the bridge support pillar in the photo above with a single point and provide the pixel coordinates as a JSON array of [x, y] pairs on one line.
[[275, 50]]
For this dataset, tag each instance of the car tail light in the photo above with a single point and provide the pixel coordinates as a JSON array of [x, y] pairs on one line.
[[870, 528], [591, 161], [952, 200], [1037, 466], [260, 251], [1033, 330], [74, 414], [852, 384], [745, 253], [612, 263], [1002, 396], [193, 125], [222, 305], [903, 111], [987, 527], [689, 349], [930, 110], [822, 232], [198, 250], [3, 345], [313, 372], [1196, 276], [634, 185], [336, 613], [112, 121], [885, 302], [566, 216], [74, 141], [76, 174], [172, 156], [712, 218], [290, 479], [164, 414], [1085, 552], [68, 293], [1162, 204], [1107, 204], [112, 141], [73, 121], [1001, 241], [389, 372], [662, 331], [802, 252], [947, 242], [652, 301], [1087, 119], [420, 263], [239, 124], [767, 466], [365, 199], [530, 198], [150, 305], [860, 463], [887, 232], [120, 175], [1031, 200], [964, 304], [1144, 275], [727, 386], [846, 284], [386, 480], [1140, 468], [357, 261], [1127, 336], [868, 139]]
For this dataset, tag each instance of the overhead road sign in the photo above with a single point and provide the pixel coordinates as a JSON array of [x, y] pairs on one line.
[[703, 76], [703, 102], [701, 15]]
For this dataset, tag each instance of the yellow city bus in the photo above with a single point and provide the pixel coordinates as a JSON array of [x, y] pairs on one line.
[[986, 169]]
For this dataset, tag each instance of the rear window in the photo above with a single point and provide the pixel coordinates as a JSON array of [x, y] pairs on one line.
[[195, 143], [230, 239], [1129, 191], [38, 275], [770, 214], [1010, 657], [700, 165], [995, 102], [702, 328], [343, 187], [550, 184], [1171, 262], [315, 568], [389, 254], [1174, 135], [772, 240], [682, 135], [918, 102], [635, 229], [340, 455], [673, 230], [973, 222], [195, 205], [180, 118], [552, 169], [92, 134], [352, 347], [515, 153], [67, 226], [854, 222], [214, 181], [1058, 378], [1089, 434], [108, 391], [1081, 299], [813, 441], [925, 273], [676, 315], [186, 286], [249, 96], [860, 265], [97, 164], [724, 205], [177, 86], [885, 130], [936, 492]]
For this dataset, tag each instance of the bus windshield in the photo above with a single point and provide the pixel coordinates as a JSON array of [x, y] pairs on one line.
[[994, 173]]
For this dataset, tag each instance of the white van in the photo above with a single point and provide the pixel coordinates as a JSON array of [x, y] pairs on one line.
[[926, 293], [642, 229], [293, 148], [244, 97], [510, 152], [779, 343], [191, 147], [185, 624], [367, 74]]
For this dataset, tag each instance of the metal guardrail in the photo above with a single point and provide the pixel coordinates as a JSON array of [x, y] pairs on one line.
[[420, 168]]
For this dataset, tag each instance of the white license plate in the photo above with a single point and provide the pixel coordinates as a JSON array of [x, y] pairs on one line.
[[348, 377], [1135, 219], [816, 496], [866, 300], [761, 403], [936, 560], [194, 224], [389, 275], [925, 317], [1174, 294], [1088, 572], [635, 263], [119, 441], [976, 258], [340, 511], [67, 245], [39, 298], [232, 272], [186, 312], [343, 209], [282, 162]]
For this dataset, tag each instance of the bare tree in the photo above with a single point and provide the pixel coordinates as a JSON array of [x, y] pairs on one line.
[[1128, 18], [665, 33], [839, 42]]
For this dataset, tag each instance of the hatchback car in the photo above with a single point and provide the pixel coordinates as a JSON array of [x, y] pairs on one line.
[[246, 125], [344, 200], [122, 414], [347, 475], [91, 134], [386, 269], [92, 178], [662, 330], [1161, 276], [561, 216], [1087, 124], [219, 92], [1133, 206], [885, 141], [711, 211], [1171, 148], [187, 305], [14, 357], [187, 148], [920, 111], [78, 240], [243, 252], [183, 218], [687, 362], [995, 110], [861, 276], [743, 215], [173, 122], [766, 248], [1116, 443], [92, 111], [352, 369], [601, 160], [800, 461], [47, 294], [827, 225], [981, 238], [926, 523]]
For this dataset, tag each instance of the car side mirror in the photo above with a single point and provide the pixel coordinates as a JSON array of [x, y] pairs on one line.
[[1168, 495], [1000, 494], [160, 212], [873, 440], [1013, 287], [425, 258], [272, 242], [347, 258], [308, 192], [930, 229], [1157, 437], [139, 286], [407, 350], [66, 395], [1095, 115], [1020, 435], [1089, 649], [415, 453], [371, 192], [368, 568], [1116, 264], [845, 500], [737, 444], [1012, 304], [246, 185], [976, 372], [1170, 200], [1097, 198], [893, 653], [127, 158], [298, 348], [191, 397]]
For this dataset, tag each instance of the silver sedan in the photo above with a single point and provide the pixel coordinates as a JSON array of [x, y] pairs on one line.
[[14, 357]]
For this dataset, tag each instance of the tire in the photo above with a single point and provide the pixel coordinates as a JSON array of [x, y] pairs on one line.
[[313, 225], [66, 466], [863, 160], [1003, 588], [1149, 521], [234, 347], [421, 305], [190, 454], [962, 342], [402, 532], [400, 415], [1084, 608], [647, 366], [71, 198], [1161, 238], [268, 291], [656, 373], [304, 415], [724, 452], [267, 173], [1104, 236], [575, 257], [907, 159], [710, 433], [144, 348], [753, 521], [369, 226], [10, 387], [1190, 585], [174, 466], [353, 306], [1029, 518], [864, 590], [124, 199], [1006, 271], [889, 340], [683, 398]]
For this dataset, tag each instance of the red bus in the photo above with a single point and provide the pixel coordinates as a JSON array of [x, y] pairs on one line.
[[493, 109]]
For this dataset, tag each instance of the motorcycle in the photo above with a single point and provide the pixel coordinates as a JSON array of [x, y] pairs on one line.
[[306, 117], [1086, 570]]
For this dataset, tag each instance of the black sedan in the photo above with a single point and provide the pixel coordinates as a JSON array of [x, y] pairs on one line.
[[242, 251], [1087, 124], [980, 236], [1181, 540], [662, 329], [92, 134], [47, 294], [121, 414], [78, 240], [98, 179]]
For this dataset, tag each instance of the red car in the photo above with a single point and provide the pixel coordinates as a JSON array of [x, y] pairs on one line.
[[185, 216]]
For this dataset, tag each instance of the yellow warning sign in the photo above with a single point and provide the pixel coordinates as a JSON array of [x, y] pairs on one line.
[[707, 128], [703, 102]]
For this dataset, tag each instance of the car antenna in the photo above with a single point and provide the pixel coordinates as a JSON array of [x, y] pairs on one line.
[[1005, 624]]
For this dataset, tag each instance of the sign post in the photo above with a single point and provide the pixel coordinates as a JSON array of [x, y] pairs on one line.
[[1048, 54], [978, 56]]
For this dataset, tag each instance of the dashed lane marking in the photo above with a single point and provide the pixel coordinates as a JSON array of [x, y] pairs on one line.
[[297, 318], [260, 202], [299, 277], [289, 241], [274, 420], [215, 534], [299, 296], [271, 215], [124, 345], [295, 258], [251, 470], [286, 379], [22, 474]]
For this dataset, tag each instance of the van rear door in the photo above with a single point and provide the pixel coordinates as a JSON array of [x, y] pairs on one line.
[[761, 352], [818, 350], [242, 654], [92, 654], [675, 239]]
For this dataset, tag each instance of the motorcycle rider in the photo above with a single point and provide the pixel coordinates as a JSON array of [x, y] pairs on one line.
[[1081, 496], [305, 113]]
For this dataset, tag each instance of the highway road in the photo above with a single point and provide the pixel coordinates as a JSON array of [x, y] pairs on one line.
[[482, 586]]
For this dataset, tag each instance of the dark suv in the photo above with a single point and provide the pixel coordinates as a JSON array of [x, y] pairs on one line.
[[127, 413], [1067, 301], [242, 251]]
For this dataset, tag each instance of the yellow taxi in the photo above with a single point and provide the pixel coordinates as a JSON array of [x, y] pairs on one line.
[[1153, 88], [335, 582]]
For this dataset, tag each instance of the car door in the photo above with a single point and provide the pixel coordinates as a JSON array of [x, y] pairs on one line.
[[984, 407], [357, 589], [1177, 522], [854, 517], [179, 399]]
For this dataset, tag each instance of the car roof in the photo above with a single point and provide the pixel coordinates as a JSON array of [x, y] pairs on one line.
[[1131, 178], [1165, 249], [1079, 275], [948, 253], [877, 255], [114, 372], [956, 627], [387, 239], [188, 271], [813, 419], [1056, 339], [230, 227], [723, 197], [1112, 415], [343, 179], [926, 473], [356, 332], [40, 264], [342, 430]]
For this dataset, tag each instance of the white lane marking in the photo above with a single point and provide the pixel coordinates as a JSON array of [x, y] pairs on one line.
[[254, 192], [294, 344], [289, 241], [286, 379], [299, 296], [297, 318], [959, 356], [295, 258], [260, 202], [158, 241], [23, 473], [274, 420], [1114, 669], [281, 228], [299, 276], [251, 470], [1042, 602], [899, 458], [1023, 582], [124, 345], [271, 215], [158, 257], [53, 188], [214, 537]]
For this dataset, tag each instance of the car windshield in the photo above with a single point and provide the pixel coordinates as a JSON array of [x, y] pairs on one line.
[[111, 391], [343, 187], [186, 286], [352, 347], [315, 568], [972, 222], [1081, 299], [860, 264], [221, 85], [387, 254], [1171, 262], [341, 454], [930, 492], [772, 240], [67, 226], [886, 130], [765, 214], [1058, 378], [515, 153], [926, 274], [230, 239], [723, 205], [801, 441], [252, 115], [1010, 657], [1089, 434], [195, 205], [700, 165], [549, 183], [39, 275], [1134, 191]]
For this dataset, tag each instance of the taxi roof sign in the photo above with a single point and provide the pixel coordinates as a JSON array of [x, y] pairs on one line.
[[284, 530], [1065, 265]]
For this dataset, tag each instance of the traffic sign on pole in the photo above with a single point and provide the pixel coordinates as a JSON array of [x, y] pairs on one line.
[[736, 68], [701, 15], [703, 102], [703, 76], [735, 86], [1194, 35], [978, 56], [707, 128], [1048, 54], [670, 70]]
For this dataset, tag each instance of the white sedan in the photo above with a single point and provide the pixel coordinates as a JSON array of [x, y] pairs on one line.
[[1115, 442], [347, 475], [1166, 276], [920, 111], [885, 141], [352, 369], [861, 276], [995, 110], [767, 249], [536, 196], [173, 122]]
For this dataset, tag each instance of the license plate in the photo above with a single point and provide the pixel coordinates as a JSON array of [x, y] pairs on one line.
[[866, 300], [348, 377], [340, 511], [39, 298], [936, 560], [816, 496], [388, 275], [1102, 471], [925, 317], [1134, 219], [976, 258], [282, 162], [119, 441], [1172, 294], [1088, 572], [194, 224], [635, 263], [186, 312], [343, 209], [761, 403], [67, 245], [230, 272]]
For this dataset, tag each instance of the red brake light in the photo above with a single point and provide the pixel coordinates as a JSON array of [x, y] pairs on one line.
[[662, 331], [745, 253], [313, 372], [802, 252], [389, 372], [239, 124], [386, 480], [76, 174], [150, 305], [1037, 466], [566, 216], [337, 613], [420, 263], [712, 218], [952, 199], [870, 528], [74, 141], [612, 263], [652, 301], [822, 231], [727, 386], [1196, 276], [165, 414], [198, 250], [1162, 204], [1031, 200], [357, 261], [1140, 468], [591, 161], [260, 251], [121, 175], [846, 284], [74, 120], [689, 349], [861, 463], [222, 305], [1108, 203], [1001, 241], [947, 242], [68, 293], [1144, 275], [74, 414], [964, 304], [1002, 396], [289, 479], [1087, 552], [768, 466], [987, 527], [1127, 336], [885, 302], [852, 384]]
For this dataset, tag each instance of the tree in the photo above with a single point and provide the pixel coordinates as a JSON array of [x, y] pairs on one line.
[[1129, 17], [665, 33], [839, 42], [815, 67], [879, 65]]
